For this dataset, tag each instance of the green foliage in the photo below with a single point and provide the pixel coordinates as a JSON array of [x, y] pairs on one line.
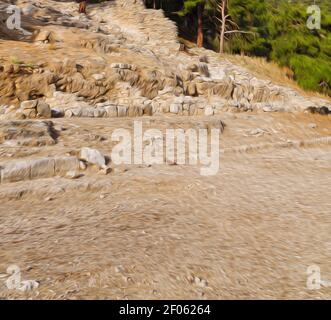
[[190, 5], [311, 74], [279, 33]]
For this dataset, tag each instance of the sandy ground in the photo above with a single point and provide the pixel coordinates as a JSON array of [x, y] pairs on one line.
[[165, 231]]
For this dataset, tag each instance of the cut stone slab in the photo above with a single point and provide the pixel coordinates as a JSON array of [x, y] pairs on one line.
[[64, 164], [122, 111], [135, 111], [111, 111], [42, 168], [16, 171], [174, 108]]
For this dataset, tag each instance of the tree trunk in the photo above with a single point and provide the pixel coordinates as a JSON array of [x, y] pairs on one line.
[[200, 29], [82, 7], [223, 24]]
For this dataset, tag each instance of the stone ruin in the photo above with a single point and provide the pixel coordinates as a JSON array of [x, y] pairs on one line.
[[132, 66]]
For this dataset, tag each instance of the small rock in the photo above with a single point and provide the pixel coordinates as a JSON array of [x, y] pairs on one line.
[[105, 170], [190, 278], [324, 110], [203, 59], [82, 165], [98, 76], [93, 156], [43, 35], [123, 66], [312, 125], [43, 110], [119, 269], [257, 132], [73, 175], [191, 89], [56, 113], [30, 113], [127, 279], [201, 293], [200, 282], [29, 104], [8, 68], [268, 109]]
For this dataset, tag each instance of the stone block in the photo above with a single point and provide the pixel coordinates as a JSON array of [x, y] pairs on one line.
[[65, 164], [16, 171], [42, 168]]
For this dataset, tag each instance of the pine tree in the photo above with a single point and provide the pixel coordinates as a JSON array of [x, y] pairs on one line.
[[197, 7], [274, 29]]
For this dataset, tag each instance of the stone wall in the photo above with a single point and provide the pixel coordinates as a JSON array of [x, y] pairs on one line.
[[14, 171]]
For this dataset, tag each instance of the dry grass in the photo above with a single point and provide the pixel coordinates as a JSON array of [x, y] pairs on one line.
[[272, 71], [262, 68]]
